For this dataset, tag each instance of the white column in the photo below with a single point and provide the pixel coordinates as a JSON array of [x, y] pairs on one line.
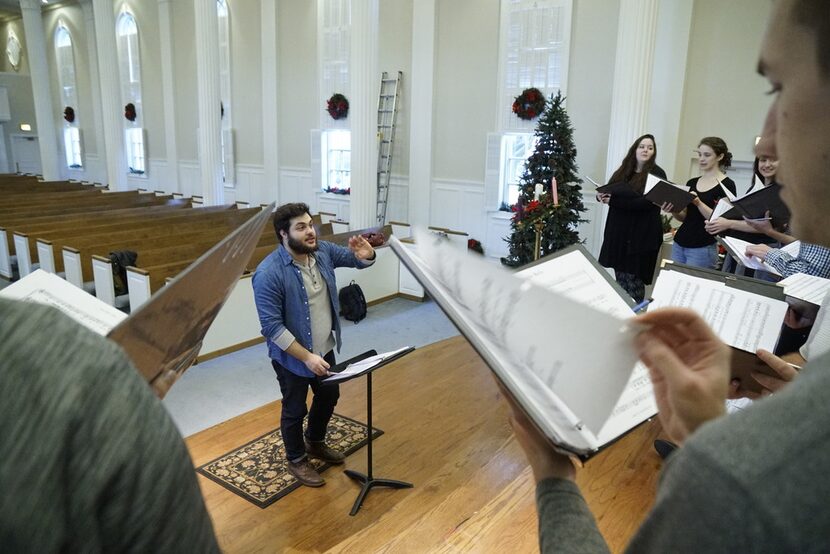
[[41, 89], [270, 57], [210, 123], [168, 87], [674, 24], [97, 118], [420, 135], [633, 72], [112, 110], [363, 104]]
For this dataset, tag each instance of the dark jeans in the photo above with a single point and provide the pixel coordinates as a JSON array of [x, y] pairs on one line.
[[633, 285], [294, 392]]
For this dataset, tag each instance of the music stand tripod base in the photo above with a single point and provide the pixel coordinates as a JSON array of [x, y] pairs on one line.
[[368, 483]]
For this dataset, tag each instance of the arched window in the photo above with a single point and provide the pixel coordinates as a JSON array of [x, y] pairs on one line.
[[129, 61], [65, 59], [225, 91]]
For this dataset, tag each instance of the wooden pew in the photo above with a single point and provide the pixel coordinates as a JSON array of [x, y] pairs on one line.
[[103, 203], [47, 248], [10, 224], [24, 244], [159, 251], [77, 250]]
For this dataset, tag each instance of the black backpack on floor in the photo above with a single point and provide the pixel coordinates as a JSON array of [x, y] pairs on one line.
[[352, 302]]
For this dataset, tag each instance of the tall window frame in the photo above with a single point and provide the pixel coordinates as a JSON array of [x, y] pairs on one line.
[[129, 63], [334, 24], [225, 91], [534, 49], [65, 62]]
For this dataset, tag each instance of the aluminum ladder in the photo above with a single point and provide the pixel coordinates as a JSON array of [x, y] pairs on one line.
[[390, 90]]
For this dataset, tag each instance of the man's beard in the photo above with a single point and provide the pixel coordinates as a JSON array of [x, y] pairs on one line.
[[300, 247]]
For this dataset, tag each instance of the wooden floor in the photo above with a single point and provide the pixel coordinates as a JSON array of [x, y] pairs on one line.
[[446, 431]]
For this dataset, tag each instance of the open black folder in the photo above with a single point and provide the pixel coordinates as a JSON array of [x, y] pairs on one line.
[[756, 204], [557, 335], [660, 191], [163, 336]]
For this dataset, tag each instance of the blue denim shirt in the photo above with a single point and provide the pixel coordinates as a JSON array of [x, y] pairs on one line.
[[282, 302]]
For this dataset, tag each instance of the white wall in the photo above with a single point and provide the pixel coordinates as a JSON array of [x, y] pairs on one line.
[[724, 96], [395, 54], [299, 111]]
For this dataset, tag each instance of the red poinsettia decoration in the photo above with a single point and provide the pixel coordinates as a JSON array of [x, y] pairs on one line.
[[475, 246], [69, 114], [529, 104], [337, 106], [129, 112], [532, 205]]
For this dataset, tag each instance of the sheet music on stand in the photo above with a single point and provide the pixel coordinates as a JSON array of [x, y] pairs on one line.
[[357, 369]]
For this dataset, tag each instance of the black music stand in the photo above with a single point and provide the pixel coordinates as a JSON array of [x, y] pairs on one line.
[[367, 480]]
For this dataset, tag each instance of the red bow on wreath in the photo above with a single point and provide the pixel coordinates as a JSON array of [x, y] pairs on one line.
[[69, 114], [129, 112], [529, 104], [337, 106]]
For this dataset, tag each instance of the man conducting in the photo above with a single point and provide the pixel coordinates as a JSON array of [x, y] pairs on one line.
[[296, 299]]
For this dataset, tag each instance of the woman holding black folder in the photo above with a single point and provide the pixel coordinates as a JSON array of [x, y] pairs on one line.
[[765, 168], [633, 231], [693, 245]]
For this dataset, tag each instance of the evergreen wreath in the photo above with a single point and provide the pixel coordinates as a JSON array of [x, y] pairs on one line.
[[337, 106], [529, 104], [129, 112], [69, 114]]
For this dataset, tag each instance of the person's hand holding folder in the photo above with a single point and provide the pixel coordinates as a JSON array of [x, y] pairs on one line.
[[689, 368]]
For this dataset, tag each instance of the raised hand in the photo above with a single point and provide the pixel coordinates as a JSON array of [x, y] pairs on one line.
[[689, 368], [361, 247]]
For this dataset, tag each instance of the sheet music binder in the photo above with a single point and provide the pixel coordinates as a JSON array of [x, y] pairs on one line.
[[492, 361]]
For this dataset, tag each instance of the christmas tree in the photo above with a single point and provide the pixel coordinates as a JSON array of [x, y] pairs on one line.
[[556, 210]]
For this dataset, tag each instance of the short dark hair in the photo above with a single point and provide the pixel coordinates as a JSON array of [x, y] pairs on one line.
[[815, 15], [284, 215], [719, 146]]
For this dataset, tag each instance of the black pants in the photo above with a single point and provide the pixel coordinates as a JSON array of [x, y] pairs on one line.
[[294, 392]]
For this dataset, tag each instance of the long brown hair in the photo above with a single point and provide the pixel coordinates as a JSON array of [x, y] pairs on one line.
[[627, 172]]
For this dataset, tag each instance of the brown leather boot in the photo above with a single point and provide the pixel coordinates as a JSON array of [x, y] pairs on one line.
[[305, 473], [320, 451]]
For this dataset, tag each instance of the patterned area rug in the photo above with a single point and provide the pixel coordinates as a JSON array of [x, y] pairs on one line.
[[256, 471]]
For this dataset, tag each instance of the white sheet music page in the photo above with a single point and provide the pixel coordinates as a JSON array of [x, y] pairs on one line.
[[574, 275], [741, 319], [47, 288], [722, 207], [555, 347], [357, 368], [806, 287]]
